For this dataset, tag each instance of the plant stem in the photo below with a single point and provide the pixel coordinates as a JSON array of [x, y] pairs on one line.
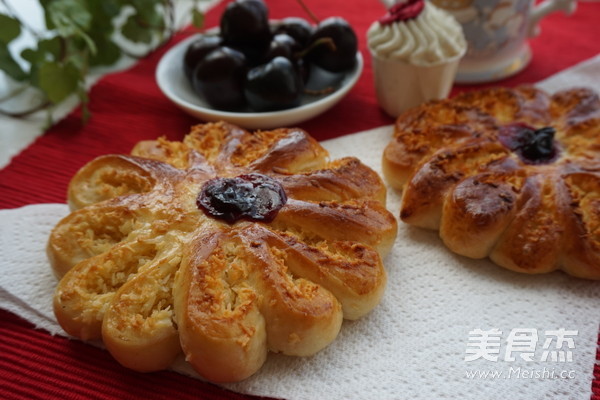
[[319, 42], [21, 114], [14, 93], [308, 11]]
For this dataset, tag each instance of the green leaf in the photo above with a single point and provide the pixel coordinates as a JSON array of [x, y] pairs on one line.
[[48, 50], [34, 76], [111, 8], [58, 81], [108, 52], [150, 17], [83, 37], [197, 18], [10, 28], [89, 42], [47, 18], [30, 55], [51, 47], [79, 60], [69, 17], [136, 33], [103, 14], [9, 65]]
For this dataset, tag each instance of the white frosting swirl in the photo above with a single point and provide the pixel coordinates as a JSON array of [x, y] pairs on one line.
[[431, 38]]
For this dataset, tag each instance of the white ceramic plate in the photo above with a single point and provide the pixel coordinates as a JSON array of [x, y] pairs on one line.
[[173, 83]]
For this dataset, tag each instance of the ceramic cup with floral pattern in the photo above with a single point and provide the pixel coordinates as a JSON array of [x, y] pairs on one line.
[[497, 33]]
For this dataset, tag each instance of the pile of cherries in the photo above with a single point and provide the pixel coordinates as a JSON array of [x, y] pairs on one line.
[[251, 63]]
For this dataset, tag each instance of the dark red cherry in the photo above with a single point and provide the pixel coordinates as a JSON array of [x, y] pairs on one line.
[[197, 50], [282, 45], [303, 69], [342, 56], [253, 197], [533, 146], [298, 28], [276, 85], [245, 26], [219, 78]]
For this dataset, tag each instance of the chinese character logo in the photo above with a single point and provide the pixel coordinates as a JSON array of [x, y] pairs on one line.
[[562, 340], [521, 343], [483, 344]]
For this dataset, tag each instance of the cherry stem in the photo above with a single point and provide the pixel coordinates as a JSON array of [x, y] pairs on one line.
[[308, 11], [319, 42]]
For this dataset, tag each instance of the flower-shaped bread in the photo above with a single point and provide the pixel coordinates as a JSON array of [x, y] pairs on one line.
[[148, 266], [513, 174]]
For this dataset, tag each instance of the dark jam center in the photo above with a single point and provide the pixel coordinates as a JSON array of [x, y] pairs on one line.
[[254, 197], [533, 146]]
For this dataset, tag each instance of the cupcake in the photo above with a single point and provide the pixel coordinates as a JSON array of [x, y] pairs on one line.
[[415, 48]]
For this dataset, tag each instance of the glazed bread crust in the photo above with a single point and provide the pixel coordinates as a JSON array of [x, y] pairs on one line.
[[144, 269], [459, 177]]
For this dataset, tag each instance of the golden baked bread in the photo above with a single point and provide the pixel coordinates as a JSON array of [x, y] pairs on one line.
[[513, 174], [225, 246]]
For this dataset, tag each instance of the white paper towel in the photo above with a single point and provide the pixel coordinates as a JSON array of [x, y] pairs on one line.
[[414, 344]]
